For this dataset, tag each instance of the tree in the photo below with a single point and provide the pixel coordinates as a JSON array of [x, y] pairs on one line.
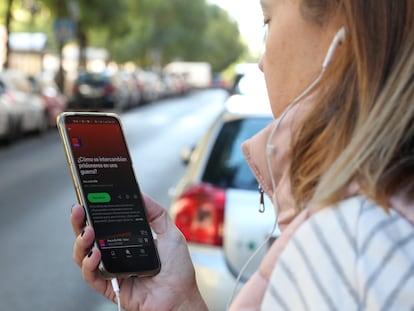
[[162, 31], [223, 45], [92, 18], [29, 11], [7, 26], [150, 32]]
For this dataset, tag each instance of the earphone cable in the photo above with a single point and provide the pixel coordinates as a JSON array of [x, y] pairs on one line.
[[115, 287]]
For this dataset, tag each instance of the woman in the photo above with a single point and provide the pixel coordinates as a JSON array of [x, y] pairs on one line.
[[341, 157]]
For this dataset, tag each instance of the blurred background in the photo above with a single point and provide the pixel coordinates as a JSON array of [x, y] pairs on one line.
[[167, 67], [65, 37]]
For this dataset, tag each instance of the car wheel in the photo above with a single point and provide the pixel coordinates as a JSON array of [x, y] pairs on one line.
[[6, 137], [44, 123], [14, 130]]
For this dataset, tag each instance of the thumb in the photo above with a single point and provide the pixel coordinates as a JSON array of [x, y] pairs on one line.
[[157, 216]]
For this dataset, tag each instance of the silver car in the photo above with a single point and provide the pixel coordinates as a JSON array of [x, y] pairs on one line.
[[216, 203], [28, 110], [9, 118]]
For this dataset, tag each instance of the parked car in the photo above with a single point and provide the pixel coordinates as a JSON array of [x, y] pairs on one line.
[[218, 81], [170, 86], [152, 85], [9, 118], [99, 91], [181, 84], [215, 205], [54, 101], [30, 114], [134, 88]]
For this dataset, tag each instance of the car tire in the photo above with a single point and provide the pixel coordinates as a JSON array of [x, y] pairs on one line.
[[44, 123], [14, 130]]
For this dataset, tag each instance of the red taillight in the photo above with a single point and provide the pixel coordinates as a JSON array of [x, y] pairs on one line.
[[109, 89], [199, 214], [10, 97], [140, 86]]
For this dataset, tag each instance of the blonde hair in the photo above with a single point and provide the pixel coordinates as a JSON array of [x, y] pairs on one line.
[[362, 127]]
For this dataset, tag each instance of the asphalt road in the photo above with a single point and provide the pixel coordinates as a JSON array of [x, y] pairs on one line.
[[36, 194]]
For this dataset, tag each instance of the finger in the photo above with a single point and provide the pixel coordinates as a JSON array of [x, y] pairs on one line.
[[83, 244], [77, 219], [90, 271], [157, 216]]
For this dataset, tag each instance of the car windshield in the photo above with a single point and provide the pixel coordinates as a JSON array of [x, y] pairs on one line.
[[93, 79], [226, 167]]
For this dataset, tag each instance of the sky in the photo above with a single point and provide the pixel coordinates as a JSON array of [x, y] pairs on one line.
[[248, 15]]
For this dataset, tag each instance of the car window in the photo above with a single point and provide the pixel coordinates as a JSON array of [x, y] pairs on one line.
[[93, 79], [226, 167]]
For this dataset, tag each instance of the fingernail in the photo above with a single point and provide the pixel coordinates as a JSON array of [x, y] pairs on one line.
[[90, 253], [72, 207], [83, 232]]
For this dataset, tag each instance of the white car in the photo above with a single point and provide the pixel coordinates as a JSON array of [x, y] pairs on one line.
[[216, 204], [27, 106], [8, 118]]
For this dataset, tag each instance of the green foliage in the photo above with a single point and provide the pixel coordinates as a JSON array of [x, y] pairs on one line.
[[166, 30], [222, 41], [147, 32]]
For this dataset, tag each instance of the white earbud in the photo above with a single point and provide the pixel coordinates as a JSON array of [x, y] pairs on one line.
[[339, 37]]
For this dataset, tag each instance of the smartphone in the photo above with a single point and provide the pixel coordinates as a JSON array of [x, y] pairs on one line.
[[106, 186]]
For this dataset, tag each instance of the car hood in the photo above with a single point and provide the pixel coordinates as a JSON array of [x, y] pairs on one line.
[[245, 230]]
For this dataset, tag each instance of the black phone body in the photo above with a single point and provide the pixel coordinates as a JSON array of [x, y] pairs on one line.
[[106, 186]]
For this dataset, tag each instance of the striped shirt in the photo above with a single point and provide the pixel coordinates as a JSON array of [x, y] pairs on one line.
[[351, 257]]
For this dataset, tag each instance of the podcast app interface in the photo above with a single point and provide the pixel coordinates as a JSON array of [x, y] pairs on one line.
[[111, 191]]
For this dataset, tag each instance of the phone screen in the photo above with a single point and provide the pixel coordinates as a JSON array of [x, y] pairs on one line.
[[111, 194]]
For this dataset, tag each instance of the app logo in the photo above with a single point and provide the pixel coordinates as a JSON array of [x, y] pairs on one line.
[[102, 243], [76, 142]]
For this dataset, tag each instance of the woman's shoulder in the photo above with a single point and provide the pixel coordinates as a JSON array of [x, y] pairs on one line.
[[361, 221], [342, 257]]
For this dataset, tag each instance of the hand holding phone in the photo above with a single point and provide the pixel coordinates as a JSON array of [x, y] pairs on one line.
[[106, 186], [175, 287]]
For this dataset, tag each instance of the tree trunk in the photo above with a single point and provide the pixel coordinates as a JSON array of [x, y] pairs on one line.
[[83, 43], [8, 22], [60, 78]]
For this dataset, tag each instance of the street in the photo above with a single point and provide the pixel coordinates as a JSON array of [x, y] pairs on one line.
[[36, 195]]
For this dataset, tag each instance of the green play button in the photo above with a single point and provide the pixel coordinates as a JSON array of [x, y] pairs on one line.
[[99, 197]]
